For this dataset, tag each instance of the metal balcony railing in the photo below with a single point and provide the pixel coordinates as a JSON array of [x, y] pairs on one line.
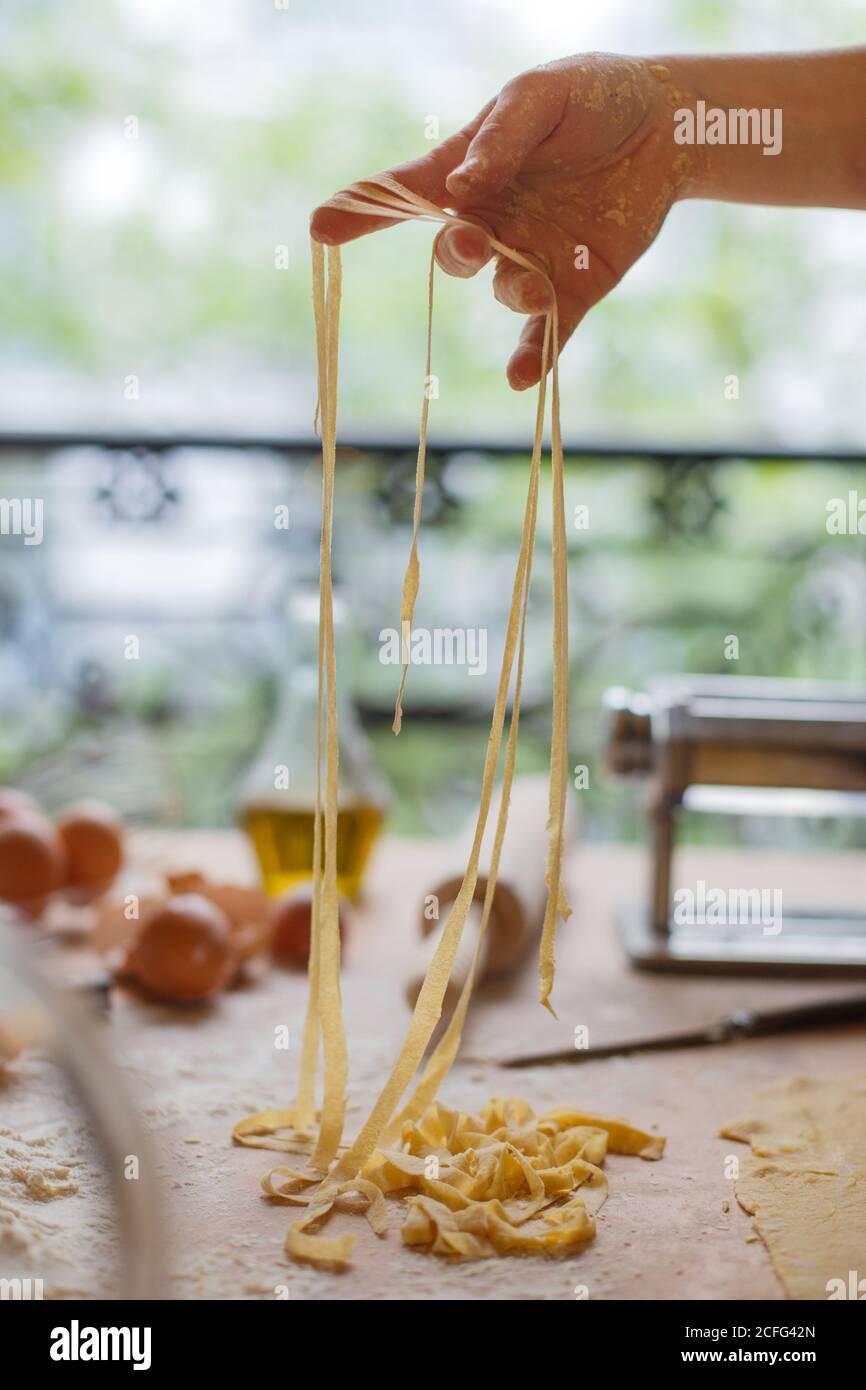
[[172, 537]]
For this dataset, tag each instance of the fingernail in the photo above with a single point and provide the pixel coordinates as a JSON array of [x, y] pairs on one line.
[[532, 290], [466, 176], [520, 373], [460, 256], [317, 233]]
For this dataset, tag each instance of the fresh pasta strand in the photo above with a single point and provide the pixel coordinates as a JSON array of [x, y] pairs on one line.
[[557, 901], [336, 1061], [500, 1182], [443, 1057], [325, 1006], [412, 577], [306, 1103], [370, 197], [373, 197], [350, 1168]]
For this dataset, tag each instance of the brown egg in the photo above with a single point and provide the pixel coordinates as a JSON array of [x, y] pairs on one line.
[[291, 921], [93, 835], [16, 803], [184, 952], [32, 861]]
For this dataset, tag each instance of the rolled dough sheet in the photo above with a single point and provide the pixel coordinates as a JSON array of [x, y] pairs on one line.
[[805, 1182]]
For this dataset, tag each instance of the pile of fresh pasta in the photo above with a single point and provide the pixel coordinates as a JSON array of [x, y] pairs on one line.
[[502, 1182], [475, 1186]]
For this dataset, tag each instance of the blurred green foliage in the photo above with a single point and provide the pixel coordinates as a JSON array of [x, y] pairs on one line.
[[156, 254]]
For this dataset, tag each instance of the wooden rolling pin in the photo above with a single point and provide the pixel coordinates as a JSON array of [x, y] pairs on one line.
[[517, 913]]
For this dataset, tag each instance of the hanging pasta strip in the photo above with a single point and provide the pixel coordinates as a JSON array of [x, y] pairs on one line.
[[325, 934], [336, 1061], [472, 1214], [385, 197], [557, 901], [412, 577], [428, 1007], [382, 196], [446, 1051], [305, 1108]]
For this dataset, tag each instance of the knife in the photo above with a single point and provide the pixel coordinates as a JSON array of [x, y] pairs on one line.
[[739, 1024]]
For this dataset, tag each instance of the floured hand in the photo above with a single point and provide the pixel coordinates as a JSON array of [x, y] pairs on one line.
[[574, 164]]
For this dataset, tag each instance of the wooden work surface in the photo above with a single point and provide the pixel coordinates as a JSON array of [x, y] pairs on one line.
[[669, 1230]]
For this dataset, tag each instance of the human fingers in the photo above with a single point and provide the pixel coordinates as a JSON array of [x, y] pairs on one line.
[[520, 289], [525, 112], [524, 366], [425, 176], [462, 248]]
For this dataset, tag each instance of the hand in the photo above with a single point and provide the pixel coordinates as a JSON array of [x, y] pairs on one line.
[[574, 164]]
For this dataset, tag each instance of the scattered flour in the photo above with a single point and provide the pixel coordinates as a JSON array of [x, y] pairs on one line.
[[56, 1212]]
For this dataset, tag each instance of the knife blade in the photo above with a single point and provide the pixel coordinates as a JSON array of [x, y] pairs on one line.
[[739, 1024]]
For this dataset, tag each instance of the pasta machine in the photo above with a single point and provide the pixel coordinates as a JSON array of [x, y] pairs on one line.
[[735, 745]]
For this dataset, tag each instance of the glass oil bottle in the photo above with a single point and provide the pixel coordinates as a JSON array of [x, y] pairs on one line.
[[278, 794]]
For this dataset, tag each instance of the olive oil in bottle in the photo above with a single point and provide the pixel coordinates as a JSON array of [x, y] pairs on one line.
[[282, 835], [279, 793]]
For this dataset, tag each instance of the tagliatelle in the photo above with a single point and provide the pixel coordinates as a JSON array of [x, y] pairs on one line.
[[504, 1181]]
